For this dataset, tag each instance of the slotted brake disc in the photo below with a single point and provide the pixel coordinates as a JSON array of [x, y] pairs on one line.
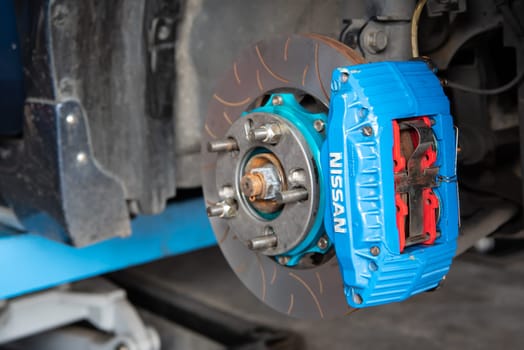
[[262, 173]]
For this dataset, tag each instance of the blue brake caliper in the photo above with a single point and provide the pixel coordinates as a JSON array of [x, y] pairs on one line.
[[390, 163]]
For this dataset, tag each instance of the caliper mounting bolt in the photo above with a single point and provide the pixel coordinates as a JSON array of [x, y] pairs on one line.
[[319, 125], [374, 250], [323, 242], [367, 130], [277, 100], [283, 260]]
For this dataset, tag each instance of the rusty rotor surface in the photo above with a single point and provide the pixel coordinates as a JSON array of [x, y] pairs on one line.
[[296, 62]]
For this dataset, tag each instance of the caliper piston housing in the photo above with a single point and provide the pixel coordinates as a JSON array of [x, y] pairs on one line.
[[392, 208]]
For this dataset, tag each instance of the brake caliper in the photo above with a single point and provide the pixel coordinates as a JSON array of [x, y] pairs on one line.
[[392, 208]]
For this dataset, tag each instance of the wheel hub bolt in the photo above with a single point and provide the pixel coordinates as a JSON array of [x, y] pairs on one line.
[[291, 196], [263, 242], [268, 240], [223, 209], [268, 133], [226, 145]]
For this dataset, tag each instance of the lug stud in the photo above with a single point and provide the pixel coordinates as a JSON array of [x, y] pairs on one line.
[[226, 145], [223, 209], [268, 133], [290, 196], [268, 240]]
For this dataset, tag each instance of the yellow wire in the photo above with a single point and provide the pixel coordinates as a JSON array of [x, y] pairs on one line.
[[414, 27]]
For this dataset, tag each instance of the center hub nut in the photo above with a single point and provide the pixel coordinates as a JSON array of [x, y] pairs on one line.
[[252, 185], [263, 178]]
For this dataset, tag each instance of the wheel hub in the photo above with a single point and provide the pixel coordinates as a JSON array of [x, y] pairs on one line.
[[274, 173]]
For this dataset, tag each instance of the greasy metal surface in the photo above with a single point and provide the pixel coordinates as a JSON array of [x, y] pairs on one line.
[[296, 62]]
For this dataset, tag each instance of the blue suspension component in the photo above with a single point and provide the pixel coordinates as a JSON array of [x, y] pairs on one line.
[[30, 262], [362, 213]]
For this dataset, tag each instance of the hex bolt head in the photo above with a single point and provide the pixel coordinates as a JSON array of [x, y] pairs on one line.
[[376, 41], [277, 100], [323, 242], [374, 250], [283, 260], [319, 125], [163, 32], [367, 130]]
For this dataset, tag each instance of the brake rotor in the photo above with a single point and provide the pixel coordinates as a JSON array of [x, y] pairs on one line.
[[290, 63]]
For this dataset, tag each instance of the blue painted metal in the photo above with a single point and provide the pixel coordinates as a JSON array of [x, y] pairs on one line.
[[30, 262], [303, 120], [361, 209]]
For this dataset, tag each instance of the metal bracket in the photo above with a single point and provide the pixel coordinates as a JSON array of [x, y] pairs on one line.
[[97, 301]]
